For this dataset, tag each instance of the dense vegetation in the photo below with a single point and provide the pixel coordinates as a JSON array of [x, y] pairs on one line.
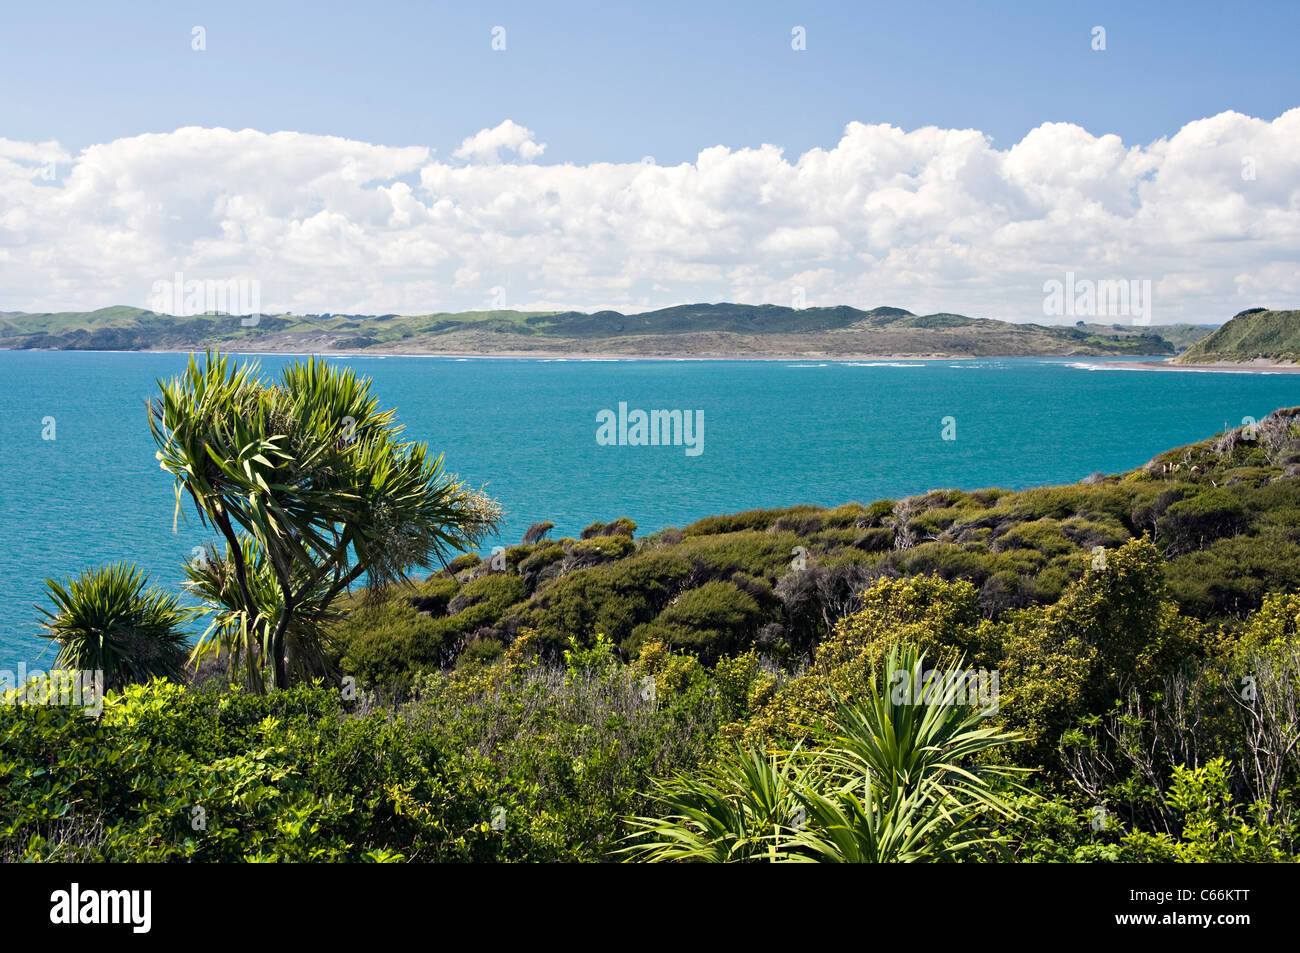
[[684, 329], [1224, 515], [1256, 333], [731, 691]]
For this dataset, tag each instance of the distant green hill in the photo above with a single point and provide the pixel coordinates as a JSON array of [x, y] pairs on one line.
[[719, 329], [1183, 336], [1257, 333]]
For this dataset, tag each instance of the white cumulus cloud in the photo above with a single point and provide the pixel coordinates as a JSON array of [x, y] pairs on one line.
[[486, 145], [931, 220]]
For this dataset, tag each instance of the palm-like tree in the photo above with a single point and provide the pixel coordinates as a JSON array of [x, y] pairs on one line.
[[314, 474], [242, 633], [890, 778], [110, 619]]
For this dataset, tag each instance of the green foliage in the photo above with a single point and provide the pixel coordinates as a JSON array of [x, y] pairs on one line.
[[1046, 536], [596, 661], [388, 642], [888, 779], [493, 593], [532, 566], [538, 531], [613, 598], [1275, 625], [242, 595], [169, 774], [1226, 547], [619, 527], [315, 479], [520, 713], [710, 620], [1214, 829], [744, 809], [941, 618], [1191, 523], [173, 774], [110, 620], [1111, 631], [749, 521], [600, 549], [480, 652], [742, 683], [462, 562], [1231, 577]]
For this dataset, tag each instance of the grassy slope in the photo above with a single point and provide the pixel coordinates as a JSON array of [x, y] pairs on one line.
[[1258, 333], [1183, 336]]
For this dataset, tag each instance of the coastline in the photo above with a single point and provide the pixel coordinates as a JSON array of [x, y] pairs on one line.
[[1087, 361], [233, 347], [1257, 366]]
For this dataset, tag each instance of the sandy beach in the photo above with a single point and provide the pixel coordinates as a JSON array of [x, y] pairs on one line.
[[300, 347], [1257, 366]]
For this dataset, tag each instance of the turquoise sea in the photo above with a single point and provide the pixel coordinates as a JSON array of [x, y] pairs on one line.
[[776, 433]]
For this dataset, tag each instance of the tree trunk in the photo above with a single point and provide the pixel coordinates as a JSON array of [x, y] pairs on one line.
[[277, 651]]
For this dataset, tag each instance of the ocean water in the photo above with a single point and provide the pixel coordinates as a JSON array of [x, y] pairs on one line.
[[776, 433]]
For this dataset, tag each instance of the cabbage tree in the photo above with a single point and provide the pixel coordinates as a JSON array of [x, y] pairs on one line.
[[309, 484]]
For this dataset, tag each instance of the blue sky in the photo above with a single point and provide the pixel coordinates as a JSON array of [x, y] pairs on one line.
[[615, 82], [383, 157]]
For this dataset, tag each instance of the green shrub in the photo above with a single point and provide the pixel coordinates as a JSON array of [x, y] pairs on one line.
[[619, 527], [494, 591], [1230, 577], [875, 540], [850, 515], [1192, 523], [748, 521], [1112, 631], [168, 774], [940, 618], [481, 652], [613, 598], [538, 531], [1213, 828], [711, 620], [1043, 535], [536, 562], [757, 554], [600, 549], [463, 562]]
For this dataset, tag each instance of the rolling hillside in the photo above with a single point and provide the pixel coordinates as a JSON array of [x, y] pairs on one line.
[[695, 330], [1252, 335]]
